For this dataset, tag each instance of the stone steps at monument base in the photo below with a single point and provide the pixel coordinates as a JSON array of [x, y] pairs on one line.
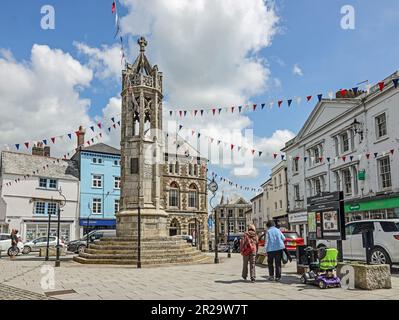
[[152, 252], [134, 239], [144, 246], [148, 262], [133, 254], [143, 243]]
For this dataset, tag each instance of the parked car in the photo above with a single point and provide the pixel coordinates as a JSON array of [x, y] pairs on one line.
[[5, 243], [79, 245], [292, 240], [386, 241], [41, 242]]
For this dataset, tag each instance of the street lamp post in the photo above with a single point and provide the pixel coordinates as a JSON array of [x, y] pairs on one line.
[[61, 204], [213, 187], [48, 236], [87, 227], [228, 236]]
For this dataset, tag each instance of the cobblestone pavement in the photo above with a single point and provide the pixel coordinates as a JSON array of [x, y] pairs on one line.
[[193, 282]]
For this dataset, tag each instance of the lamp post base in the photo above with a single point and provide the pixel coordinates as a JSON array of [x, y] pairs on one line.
[[57, 263], [216, 260]]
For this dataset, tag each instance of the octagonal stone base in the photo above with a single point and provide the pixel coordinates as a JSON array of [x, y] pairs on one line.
[[153, 223]]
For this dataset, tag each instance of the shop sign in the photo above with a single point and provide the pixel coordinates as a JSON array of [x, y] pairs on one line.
[[298, 217]]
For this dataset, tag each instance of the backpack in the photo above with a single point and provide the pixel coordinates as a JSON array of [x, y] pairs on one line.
[[248, 246]]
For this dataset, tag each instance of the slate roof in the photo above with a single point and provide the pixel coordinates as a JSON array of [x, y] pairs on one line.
[[102, 148], [24, 164]]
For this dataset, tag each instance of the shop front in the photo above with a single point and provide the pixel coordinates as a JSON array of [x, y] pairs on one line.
[[298, 222], [33, 229], [383, 208], [88, 225]]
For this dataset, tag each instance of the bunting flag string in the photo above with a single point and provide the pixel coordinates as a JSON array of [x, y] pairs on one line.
[[46, 141], [234, 184], [341, 93]]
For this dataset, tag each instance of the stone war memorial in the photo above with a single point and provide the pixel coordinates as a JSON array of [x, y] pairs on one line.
[[146, 181]]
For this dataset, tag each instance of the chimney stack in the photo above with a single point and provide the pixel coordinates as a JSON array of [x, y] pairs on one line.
[[40, 150], [81, 137]]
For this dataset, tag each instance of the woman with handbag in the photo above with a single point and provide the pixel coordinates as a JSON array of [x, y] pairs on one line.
[[248, 248]]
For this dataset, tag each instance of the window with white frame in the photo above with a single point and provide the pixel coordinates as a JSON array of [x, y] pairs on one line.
[[52, 208], [241, 226], [347, 180], [344, 142], [192, 196], [317, 186], [381, 125], [96, 206], [40, 207], [97, 181], [316, 154], [231, 226], [296, 192], [48, 183], [230, 213], [295, 165], [384, 168], [116, 205], [117, 182], [222, 227], [221, 213], [241, 213], [43, 183]]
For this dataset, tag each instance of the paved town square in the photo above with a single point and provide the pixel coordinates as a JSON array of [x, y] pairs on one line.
[[191, 282]]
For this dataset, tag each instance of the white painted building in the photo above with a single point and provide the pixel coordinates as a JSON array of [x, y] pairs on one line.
[[271, 204], [348, 144], [29, 192]]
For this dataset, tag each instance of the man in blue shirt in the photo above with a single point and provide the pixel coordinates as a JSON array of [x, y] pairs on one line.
[[274, 249]]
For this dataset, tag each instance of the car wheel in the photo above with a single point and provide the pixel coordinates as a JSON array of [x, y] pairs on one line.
[[380, 256], [321, 246], [26, 250], [81, 248], [12, 252]]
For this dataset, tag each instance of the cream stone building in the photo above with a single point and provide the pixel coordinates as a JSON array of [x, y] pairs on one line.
[[271, 204]]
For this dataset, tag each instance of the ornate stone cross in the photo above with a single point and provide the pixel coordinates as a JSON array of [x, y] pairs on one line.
[[142, 43]]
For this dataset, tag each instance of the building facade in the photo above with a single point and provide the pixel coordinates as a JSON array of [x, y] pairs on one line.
[[272, 203], [33, 193], [348, 144], [232, 215], [100, 183]]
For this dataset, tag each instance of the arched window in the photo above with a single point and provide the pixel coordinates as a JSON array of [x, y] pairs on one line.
[[193, 196], [174, 228], [174, 195]]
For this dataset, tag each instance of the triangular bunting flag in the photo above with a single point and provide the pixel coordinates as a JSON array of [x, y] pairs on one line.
[[45, 142], [274, 155], [53, 139], [375, 154], [17, 146], [392, 151], [70, 135], [170, 113], [344, 158], [254, 107], [202, 112], [343, 93], [319, 96], [395, 82], [92, 128], [239, 109], [260, 153], [180, 127], [279, 103], [355, 89], [27, 145], [289, 102], [308, 98], [263, 105], [368, 156], [381, 85], [99, 125]]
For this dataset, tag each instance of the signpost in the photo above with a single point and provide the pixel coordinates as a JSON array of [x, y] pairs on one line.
[[326, 218]]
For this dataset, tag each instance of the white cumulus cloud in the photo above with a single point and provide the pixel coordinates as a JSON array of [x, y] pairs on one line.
[[296, 70]]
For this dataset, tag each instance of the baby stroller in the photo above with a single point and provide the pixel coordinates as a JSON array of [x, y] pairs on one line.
[[322, 264]]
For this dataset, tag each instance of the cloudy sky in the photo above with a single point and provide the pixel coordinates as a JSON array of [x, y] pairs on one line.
[[212, 53]]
